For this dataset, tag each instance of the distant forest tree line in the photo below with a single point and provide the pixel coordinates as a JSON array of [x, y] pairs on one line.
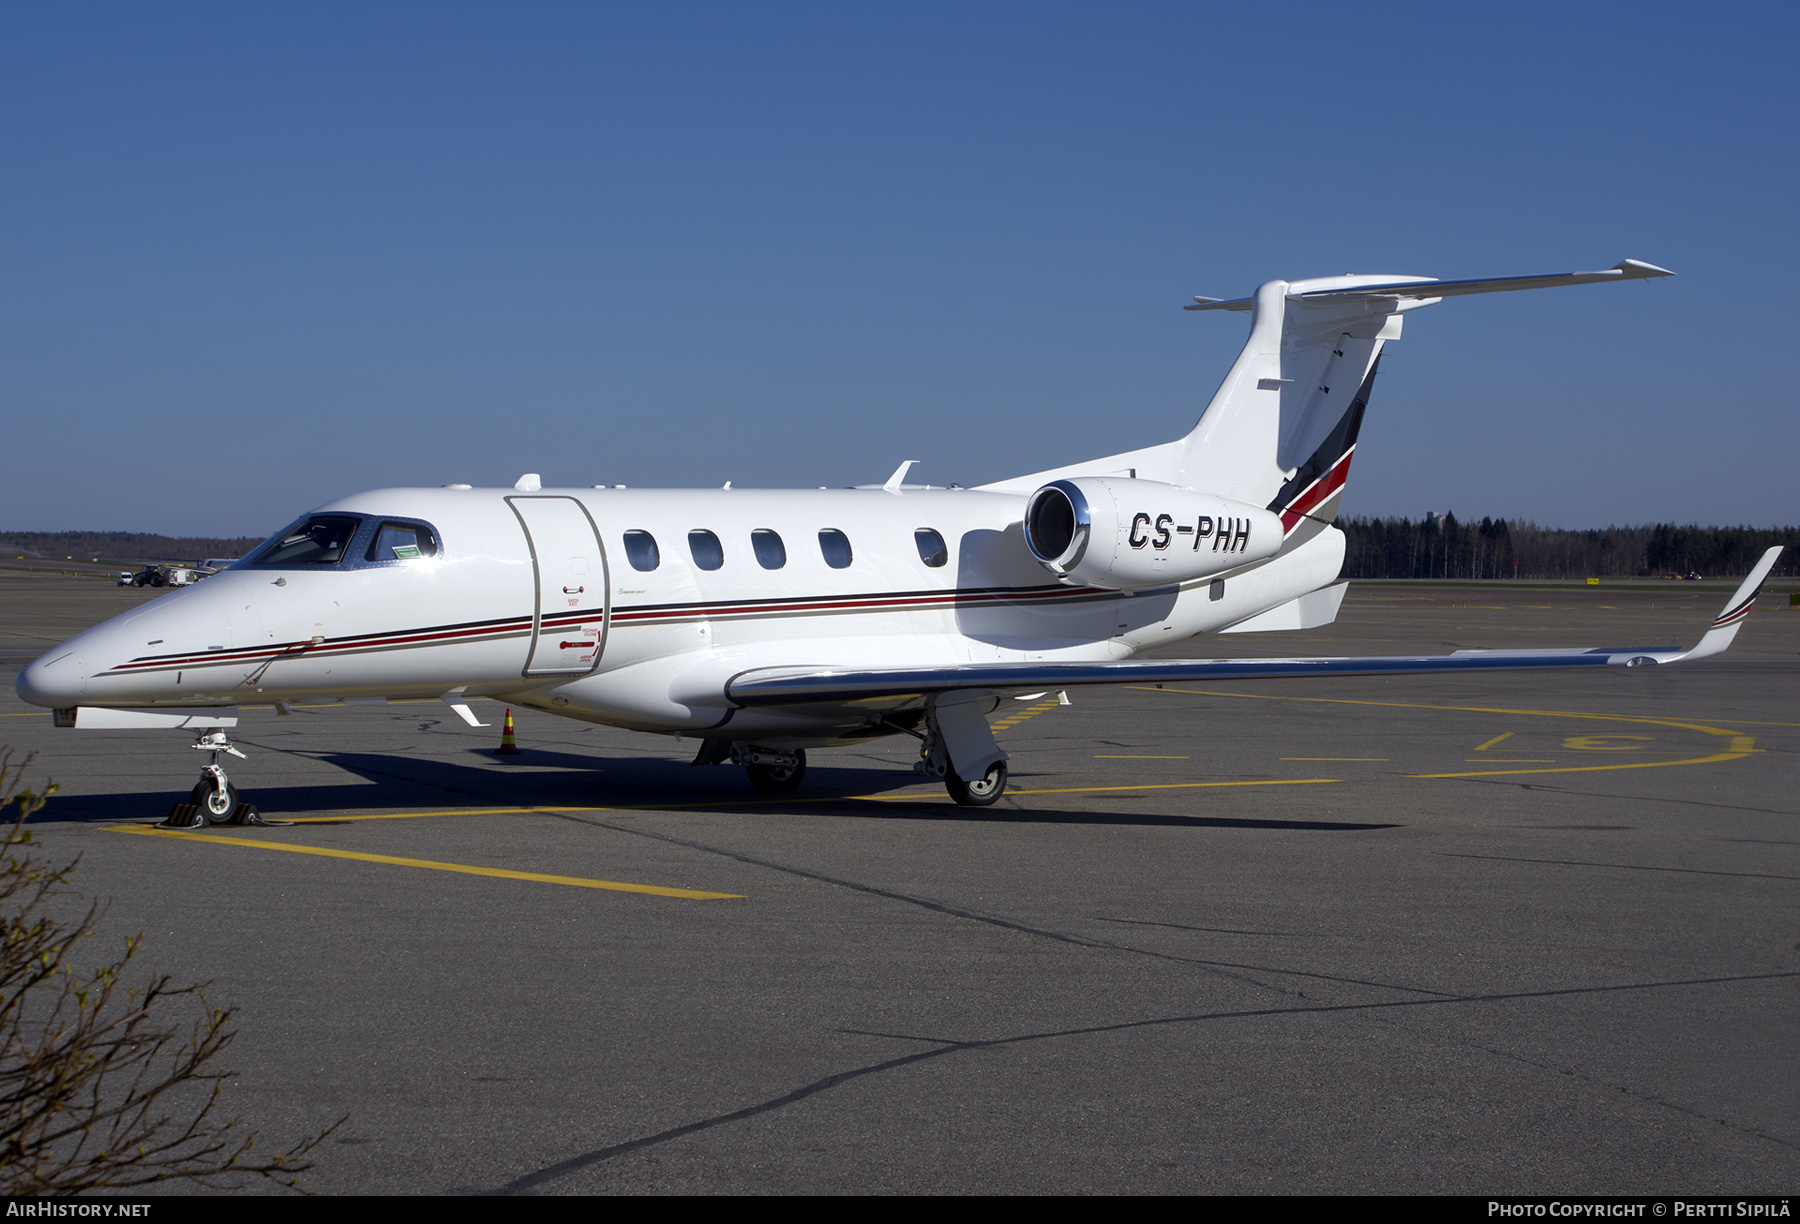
[[1437, 547], [119, 546]]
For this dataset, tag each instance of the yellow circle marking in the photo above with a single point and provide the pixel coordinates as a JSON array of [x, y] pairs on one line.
[[1741, 745]]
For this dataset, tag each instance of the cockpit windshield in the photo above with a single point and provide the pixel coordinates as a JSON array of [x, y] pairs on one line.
[[320, 540]]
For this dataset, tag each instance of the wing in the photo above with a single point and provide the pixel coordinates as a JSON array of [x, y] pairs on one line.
[[771, 686]]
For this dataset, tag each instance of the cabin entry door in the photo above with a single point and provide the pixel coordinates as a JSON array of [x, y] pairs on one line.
[[573, 595]]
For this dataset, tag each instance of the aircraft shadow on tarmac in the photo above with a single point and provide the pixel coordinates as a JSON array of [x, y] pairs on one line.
[[559, 779]]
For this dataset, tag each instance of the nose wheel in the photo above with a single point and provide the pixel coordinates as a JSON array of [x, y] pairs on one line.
[[214, 799]]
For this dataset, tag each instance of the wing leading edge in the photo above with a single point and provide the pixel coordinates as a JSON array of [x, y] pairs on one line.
[[771, 686]]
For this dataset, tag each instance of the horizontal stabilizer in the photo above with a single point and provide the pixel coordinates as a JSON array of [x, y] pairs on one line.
[[1418, 289]]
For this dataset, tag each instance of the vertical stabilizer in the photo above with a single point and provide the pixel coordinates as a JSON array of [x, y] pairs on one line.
[[1280, 430], [1232, 451], [1295, 457]]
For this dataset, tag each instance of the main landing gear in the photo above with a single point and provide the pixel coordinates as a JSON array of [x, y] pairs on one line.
[[958, 734], [214, 799], [979, 793], [770, 770], [956, 746], [774, 773]]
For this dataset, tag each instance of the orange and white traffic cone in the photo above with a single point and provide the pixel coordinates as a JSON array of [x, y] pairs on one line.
[[507, 745]]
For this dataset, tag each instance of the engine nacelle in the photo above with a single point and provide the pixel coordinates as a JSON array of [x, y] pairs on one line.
[[1127, 534]]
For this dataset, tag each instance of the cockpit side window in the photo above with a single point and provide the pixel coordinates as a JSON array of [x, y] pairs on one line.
[[401, 542], [320, 540]]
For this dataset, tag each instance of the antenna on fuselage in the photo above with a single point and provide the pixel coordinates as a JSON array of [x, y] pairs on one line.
[[893, 482]]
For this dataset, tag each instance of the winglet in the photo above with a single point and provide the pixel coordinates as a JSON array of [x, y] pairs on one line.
[[1737, 608]]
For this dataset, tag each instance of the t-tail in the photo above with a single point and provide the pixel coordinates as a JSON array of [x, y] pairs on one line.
[[1282, 428]]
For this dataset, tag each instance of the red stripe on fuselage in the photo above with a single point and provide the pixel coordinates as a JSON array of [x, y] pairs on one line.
[[566, 621]]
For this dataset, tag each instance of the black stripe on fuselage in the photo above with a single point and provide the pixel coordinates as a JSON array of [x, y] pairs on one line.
[[631, 614]]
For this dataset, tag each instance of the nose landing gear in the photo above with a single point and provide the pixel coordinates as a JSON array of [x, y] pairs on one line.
[[214, 799], [214, 795]]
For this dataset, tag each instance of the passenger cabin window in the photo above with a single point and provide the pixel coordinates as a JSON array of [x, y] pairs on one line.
[[709, 554], [401, 542], [835, 546], [771, 553], [932, 550], [641, 551], [315, 541]]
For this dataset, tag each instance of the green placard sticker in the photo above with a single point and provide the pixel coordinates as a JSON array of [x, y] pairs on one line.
[[406, 552]]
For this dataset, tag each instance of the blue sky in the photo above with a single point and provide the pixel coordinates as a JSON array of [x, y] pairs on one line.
[[257, 257]]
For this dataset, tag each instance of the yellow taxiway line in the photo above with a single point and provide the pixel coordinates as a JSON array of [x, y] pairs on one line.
[[502, 873], [1082, 790], [1490, 773]]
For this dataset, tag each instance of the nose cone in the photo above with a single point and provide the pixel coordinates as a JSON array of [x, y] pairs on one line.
[[118, 662], [58, 679]]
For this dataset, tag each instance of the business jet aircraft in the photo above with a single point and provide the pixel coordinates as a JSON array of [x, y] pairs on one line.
[[765, 623]]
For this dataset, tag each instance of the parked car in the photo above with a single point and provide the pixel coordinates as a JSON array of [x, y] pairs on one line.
[[161, 576]]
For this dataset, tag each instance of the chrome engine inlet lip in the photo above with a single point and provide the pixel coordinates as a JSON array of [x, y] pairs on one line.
[[1069, 557]]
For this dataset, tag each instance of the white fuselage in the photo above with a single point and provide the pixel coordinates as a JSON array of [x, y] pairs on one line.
[[534, 597]]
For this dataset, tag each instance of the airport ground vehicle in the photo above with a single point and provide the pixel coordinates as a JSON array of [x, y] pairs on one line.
[[162, 575]]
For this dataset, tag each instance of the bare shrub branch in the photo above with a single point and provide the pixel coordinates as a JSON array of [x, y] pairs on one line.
[[96, 1089]]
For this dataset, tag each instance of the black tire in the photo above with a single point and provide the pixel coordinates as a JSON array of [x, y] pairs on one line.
[[977, 794], [205, 798], [138, 580], [157, 581], [775, 780]]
